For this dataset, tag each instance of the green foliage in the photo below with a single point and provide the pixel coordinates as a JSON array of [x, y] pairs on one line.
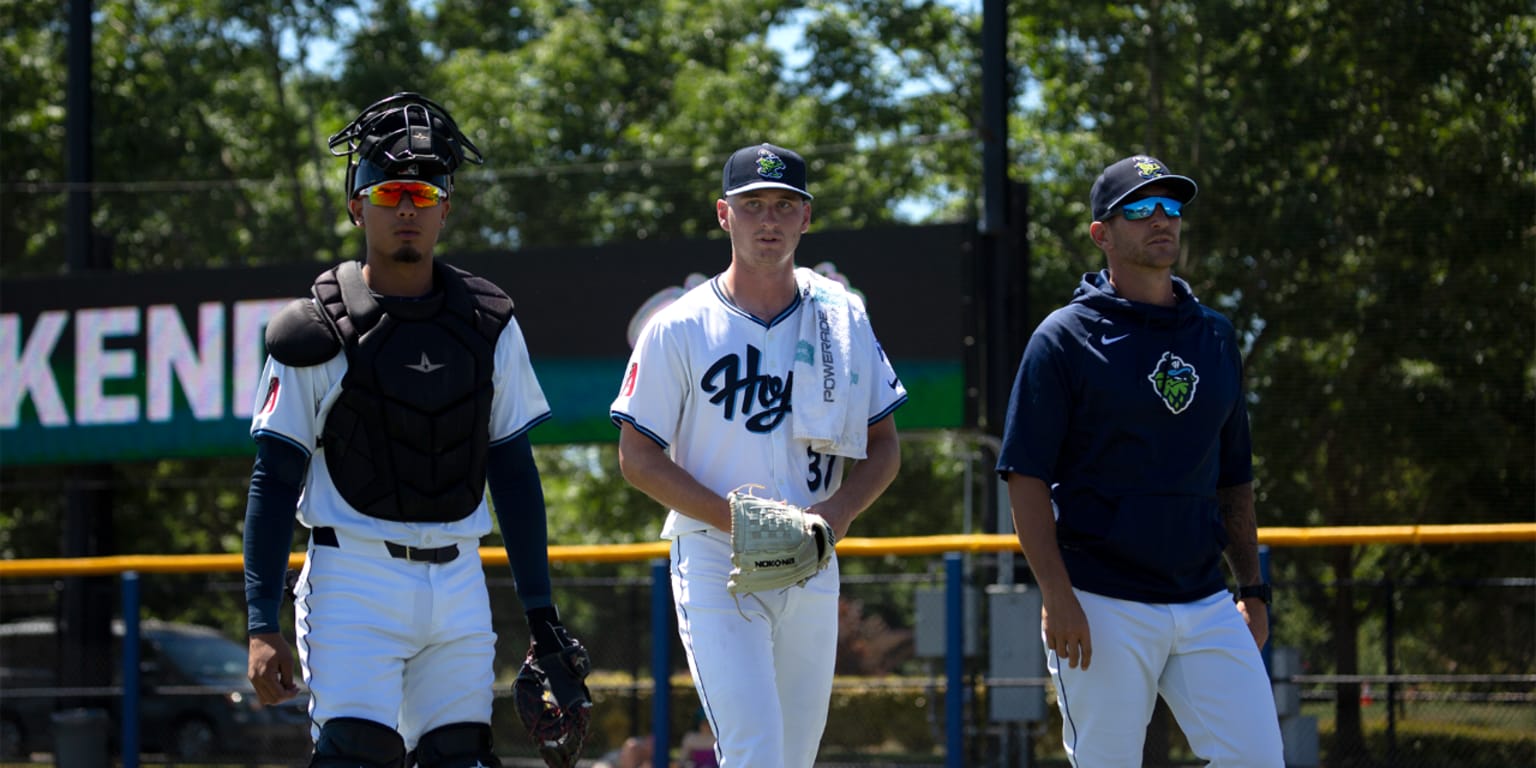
[[905, 711], [1429, 742], [1371, 240], [1367, 218]]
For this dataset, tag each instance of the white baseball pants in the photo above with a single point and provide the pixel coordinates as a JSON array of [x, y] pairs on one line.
[[1200, 656], [405, 644], [763, 671]]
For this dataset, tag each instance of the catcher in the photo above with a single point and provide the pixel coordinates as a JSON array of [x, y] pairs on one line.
[[771, 376], [384, 455]]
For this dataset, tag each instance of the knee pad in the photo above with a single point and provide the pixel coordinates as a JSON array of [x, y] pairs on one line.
[[346, 742], [455, 745]]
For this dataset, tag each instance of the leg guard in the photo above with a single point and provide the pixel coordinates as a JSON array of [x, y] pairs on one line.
[[456, 745], [347, 742]]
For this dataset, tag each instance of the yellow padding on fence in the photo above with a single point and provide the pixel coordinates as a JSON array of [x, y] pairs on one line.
[[851, 547], [1397, 534]]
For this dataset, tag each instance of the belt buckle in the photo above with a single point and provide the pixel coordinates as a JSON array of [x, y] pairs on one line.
[[412, 554]]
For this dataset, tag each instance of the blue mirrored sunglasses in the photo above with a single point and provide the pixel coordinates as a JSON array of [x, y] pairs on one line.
[[1145, 207]]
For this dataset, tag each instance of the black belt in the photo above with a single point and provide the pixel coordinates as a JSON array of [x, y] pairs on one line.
[[326, 537]]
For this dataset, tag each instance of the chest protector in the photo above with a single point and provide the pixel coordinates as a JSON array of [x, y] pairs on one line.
[[407, 438]]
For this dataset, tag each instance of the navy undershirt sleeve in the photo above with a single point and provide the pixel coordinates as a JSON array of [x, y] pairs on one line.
[[270, 509], [518, 498]]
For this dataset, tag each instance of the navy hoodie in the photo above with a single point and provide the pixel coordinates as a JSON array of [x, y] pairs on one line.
[[1133, 414]]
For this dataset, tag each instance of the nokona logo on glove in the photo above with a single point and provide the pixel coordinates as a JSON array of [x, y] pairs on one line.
[[774, 544]]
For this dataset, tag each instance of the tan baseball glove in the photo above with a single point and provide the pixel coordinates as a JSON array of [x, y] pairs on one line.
[[774, 544]]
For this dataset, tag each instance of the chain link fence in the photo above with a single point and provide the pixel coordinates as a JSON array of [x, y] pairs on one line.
[[1390, 710]]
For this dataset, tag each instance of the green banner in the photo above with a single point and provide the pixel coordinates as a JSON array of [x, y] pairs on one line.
[[106, 367]]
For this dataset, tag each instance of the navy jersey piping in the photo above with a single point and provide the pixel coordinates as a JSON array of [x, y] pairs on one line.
[[545, 416], [888, 411], [714, 285], [619, 418], [260, 433]]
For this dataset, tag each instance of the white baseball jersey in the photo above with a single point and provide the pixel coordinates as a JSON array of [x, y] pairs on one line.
[[711, 383], [294, 407]]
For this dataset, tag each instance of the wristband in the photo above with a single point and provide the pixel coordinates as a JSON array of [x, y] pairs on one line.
[[1262, 591]]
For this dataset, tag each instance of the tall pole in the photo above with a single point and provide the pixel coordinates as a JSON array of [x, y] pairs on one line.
[[995, 253], [1003, 256], [77, 138], [994, 116], [85, 609]]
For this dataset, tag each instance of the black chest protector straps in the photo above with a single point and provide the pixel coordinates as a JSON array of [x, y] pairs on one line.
[[407, 437]]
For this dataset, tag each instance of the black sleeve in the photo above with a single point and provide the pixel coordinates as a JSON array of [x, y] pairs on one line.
[[518, 499], [270, 509]]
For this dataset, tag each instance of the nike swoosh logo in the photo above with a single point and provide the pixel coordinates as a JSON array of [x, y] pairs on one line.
[[893, 383], [1108, 340]]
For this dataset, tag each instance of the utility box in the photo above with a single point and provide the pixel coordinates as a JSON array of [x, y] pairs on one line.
[[931, 625], [1015, 652], [1299, 737], [1298, 733], [80, 738], [1284, 663]]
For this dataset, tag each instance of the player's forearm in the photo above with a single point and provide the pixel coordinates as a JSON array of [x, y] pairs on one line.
[[647, 467], [1035, 524], [1237, 515], [674, 488], [867, 478]]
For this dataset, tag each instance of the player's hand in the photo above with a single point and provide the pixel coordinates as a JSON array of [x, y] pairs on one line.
[[1256, 619], [271, 668], [1065, 627], [837, 518]]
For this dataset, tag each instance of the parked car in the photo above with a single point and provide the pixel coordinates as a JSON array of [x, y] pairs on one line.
[[195, 700]]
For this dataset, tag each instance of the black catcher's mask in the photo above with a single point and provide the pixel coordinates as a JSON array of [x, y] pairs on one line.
[[404, 136]]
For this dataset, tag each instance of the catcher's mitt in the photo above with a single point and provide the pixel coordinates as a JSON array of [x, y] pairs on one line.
[[774, 544], [553, 702]]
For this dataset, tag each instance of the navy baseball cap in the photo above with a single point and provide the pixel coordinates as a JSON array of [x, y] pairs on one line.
[[764, 166], [1120, 180]]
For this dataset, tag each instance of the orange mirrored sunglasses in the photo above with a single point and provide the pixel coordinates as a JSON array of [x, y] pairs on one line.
[[387, 194]]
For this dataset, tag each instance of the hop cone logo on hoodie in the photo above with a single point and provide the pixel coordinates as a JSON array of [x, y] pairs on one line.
[[1174, 381]]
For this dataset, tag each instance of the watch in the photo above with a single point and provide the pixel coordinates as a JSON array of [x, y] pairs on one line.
[[1261, 591]]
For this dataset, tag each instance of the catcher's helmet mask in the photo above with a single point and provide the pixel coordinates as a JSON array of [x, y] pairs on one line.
[[404, 136]]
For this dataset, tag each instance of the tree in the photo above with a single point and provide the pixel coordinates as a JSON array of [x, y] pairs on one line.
[[192, 170], [1365, 220]]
